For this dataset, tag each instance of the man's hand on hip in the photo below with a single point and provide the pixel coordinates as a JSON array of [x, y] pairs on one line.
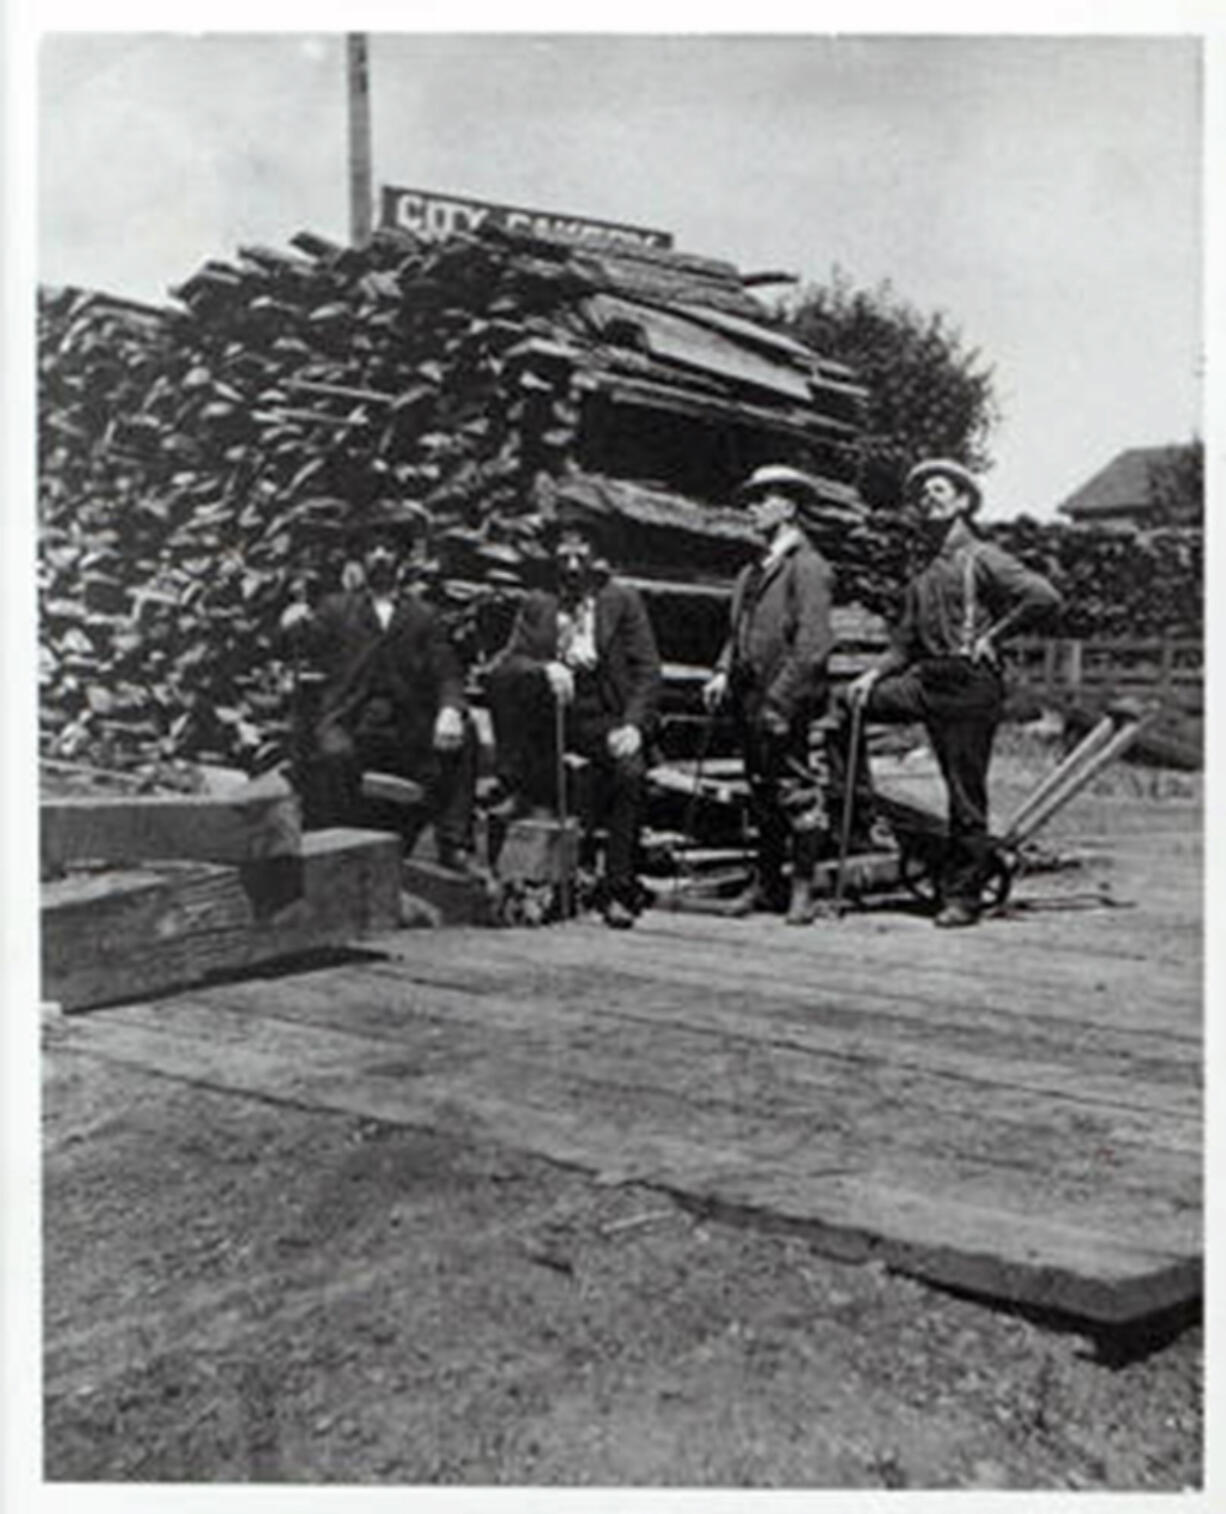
[[984, 651]]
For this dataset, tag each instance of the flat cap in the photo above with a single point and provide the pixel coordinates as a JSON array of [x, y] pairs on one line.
[[779, 476], [944, 467]]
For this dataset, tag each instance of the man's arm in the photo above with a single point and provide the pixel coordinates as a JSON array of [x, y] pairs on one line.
[[900, 653], [715, 689], [528, 646], [444, 665], [1018, 598], [642, 659], [308, 630], [531, 647]]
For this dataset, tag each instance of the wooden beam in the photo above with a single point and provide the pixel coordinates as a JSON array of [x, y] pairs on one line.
[[358, 78], [125, 935], [254, 824]]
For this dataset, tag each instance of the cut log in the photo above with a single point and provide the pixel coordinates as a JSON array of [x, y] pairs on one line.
[[259, 822], [126, 935]]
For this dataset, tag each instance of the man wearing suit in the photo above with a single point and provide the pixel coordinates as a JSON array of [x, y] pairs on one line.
[[773, 671], [393, 698], [587, 646]]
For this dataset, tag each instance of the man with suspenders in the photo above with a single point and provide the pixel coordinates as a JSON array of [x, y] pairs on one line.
[[942, 668]]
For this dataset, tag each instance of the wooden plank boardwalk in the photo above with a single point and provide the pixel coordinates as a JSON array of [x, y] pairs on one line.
[[1014, 1110]]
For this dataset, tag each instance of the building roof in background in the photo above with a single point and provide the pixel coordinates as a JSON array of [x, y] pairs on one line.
[[1122, 487]]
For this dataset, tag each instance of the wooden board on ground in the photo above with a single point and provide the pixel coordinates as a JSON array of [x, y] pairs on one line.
[[116, 935], [450, 898], [1013, 1110], [252, 824]]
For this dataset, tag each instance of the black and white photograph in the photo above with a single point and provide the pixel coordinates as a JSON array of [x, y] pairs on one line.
[[612, 632]]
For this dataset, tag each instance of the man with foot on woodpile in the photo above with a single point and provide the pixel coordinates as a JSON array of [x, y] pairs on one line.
[[773, 670], [392, 700], [942, 669], [587, 647]]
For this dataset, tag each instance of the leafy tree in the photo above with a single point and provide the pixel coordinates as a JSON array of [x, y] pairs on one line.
[[1177, 485], [928, 395]]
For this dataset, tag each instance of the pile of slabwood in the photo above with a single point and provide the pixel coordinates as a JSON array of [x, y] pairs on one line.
[[199, 462]]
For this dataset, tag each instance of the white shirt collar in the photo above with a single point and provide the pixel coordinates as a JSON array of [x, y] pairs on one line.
[[783, 542]]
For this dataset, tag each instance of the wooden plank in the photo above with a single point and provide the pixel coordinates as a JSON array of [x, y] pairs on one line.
[[451, 898], [758, 335], [119, 935], [683, 1098], [970, 1033], [982, 1233], [830, 966], [1017, 968], [678, 339], [792, 421], [792, 1063], [1014, 1110], [262, 821]]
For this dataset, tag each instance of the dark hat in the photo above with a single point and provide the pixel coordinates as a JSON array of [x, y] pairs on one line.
[[944, 467], [571, 523], [779, 476], [401, 518]]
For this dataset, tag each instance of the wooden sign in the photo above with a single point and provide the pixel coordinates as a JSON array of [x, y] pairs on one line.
[[427, 213]]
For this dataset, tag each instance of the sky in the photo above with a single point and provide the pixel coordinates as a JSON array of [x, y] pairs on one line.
[[1043, 192]]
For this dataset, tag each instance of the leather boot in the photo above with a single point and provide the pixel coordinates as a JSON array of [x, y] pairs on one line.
[[803, 908]]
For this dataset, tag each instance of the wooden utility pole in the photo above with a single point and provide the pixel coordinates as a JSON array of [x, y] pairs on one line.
[[359, 139]]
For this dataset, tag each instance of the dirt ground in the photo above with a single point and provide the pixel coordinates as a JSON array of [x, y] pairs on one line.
[[237, 1291], [243, 1291]]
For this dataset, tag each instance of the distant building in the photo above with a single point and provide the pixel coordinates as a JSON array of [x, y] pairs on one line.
[[1120, 497]]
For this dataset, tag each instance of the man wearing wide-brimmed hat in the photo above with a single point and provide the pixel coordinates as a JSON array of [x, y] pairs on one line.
[[942, 667], [773, 671], [392, 698]]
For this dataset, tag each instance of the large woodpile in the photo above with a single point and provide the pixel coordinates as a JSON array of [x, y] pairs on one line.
[[197, 462]]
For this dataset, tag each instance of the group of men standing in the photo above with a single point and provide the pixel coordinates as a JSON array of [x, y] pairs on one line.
[[581, 672]]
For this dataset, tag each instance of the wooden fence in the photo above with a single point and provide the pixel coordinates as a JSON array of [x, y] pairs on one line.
[[1168, 669]]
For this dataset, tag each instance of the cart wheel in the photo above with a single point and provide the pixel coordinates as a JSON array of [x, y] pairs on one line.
[[998, 884], [925, 885], [918, 877]]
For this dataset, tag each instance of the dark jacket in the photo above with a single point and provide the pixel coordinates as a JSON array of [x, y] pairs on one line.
[[411, 666], [627, 665], [780, 635]]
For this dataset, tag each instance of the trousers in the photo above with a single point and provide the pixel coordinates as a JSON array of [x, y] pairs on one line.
[[786, 796], [524, 715], [333, 790], [959, 704]]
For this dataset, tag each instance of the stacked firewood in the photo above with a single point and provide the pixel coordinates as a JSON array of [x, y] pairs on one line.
[[198, 463]]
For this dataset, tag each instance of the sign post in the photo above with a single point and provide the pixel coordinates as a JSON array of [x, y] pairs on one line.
[[360, 208]]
